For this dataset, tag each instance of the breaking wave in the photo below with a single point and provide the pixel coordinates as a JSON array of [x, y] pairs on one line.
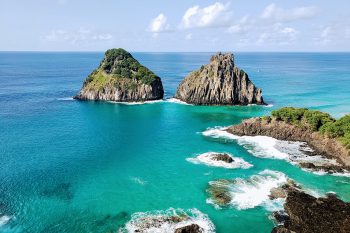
[[267, 147], [167, 221], [252, 192], [176, 101], [208, 158]]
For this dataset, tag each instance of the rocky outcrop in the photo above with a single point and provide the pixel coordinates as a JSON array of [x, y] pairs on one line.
[[307, 214], [219, 83], [223, 157], [193, 228], [121, 78], [328, 147]]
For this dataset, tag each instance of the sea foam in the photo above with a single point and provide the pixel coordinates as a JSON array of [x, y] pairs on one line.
[[4, 219], [254, 191], [267, 147], [176, 101], [167, 221], [137, 103], [207, 158]]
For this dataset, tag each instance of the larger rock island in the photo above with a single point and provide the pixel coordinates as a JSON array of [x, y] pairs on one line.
[[219, 83], [121, 78]]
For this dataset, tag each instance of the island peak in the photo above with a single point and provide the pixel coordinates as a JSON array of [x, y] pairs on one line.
[[120, 77], [219, 82]]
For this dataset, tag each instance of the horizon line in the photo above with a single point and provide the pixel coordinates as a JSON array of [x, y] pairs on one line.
[[134, 51]]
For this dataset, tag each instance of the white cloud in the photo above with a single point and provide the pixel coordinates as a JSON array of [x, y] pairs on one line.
[[189, 36], [275, 13], [277, 34], [82, 35], [337, 32], [159, 24], [215, 15], [242, 26]]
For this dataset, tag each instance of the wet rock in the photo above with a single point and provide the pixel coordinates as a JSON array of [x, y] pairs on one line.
[[277, 193], [218, 192], [308, 214], [193, 228], [281, 216], [223, 157]]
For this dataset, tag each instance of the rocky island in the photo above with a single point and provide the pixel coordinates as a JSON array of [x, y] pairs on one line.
[[121, 78], [220, 82], [324, 134], [304, 213]]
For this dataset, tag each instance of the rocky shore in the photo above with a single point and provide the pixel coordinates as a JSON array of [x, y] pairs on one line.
[[121, 78], [220, 82], [331, 148], [307, 214]]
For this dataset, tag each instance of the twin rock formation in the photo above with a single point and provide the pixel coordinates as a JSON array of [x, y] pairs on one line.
[[121, 78]]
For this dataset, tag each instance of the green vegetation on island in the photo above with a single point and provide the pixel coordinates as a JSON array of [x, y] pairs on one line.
[[121, 78], [120, 64], [317, 121]]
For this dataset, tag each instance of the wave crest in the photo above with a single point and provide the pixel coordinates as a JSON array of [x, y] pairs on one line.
[[167, 221], [208, 158]]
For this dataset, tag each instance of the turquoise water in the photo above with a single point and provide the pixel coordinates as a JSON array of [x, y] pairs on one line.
[[70, 166]]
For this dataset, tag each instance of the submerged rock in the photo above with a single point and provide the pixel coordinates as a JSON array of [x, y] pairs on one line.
[[219, 83], [308, 214], [61, 191], [121, 78], [242, 193]]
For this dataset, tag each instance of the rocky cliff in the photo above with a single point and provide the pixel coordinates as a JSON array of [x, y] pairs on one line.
[[329, 147], [307, 214], [120, 77], [219, 83]]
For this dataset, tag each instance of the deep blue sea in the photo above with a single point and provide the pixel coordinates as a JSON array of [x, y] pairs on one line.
[[70, 166]]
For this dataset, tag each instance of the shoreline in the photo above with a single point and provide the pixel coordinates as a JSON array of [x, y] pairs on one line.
[[330, 148]]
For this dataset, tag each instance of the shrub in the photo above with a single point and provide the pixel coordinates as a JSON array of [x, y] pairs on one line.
[[339, 128], [316, 119], [121, 64], [289, 114]]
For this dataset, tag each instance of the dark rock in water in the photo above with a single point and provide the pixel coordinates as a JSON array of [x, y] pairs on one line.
[[219, 192], [61, 191], [219, 83], [223, 157], [308, 214], [280, 216], [281, 229], [120, 77], [193, 228]]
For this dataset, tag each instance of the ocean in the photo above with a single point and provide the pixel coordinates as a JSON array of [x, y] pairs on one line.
[[72, 166]]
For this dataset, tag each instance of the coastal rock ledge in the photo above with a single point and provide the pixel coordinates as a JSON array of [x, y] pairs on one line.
[[304, 213], [219, 83], [121, 78]]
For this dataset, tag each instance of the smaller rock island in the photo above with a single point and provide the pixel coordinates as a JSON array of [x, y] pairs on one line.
[[219, 83], [121, 78]]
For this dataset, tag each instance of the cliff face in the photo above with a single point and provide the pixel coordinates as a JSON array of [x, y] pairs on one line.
[[122, 78], [307, 214], [219, 83], [329, 147]]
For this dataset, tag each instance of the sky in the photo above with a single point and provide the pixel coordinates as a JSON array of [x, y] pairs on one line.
[[175, 26]]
